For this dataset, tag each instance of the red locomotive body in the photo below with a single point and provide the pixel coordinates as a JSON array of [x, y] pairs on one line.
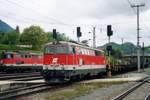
[[67, 60], [20, 61]]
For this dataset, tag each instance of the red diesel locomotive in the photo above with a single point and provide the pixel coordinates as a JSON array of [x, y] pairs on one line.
[[20, 61], [67, 61]]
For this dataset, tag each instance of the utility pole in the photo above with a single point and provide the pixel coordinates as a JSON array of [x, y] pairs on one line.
[[143, 61], [122, 40], [94, 38], [138, 37]]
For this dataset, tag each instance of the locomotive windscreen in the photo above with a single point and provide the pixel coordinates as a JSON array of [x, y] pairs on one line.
[[56, 49], [6, 55]]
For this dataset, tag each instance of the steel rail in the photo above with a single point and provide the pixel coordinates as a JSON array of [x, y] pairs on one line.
[[23, 91], [10, 74], [147, 97], [130, 90], [19, 76], [28, 78]]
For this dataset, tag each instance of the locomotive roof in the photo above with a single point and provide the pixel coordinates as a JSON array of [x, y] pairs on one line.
[[74, 44], [21, 52]]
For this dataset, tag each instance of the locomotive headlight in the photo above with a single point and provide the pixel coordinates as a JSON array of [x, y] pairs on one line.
[[45, 67], [1, 62]]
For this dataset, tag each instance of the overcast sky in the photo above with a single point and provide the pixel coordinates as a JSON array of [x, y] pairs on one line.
[[66, 15]]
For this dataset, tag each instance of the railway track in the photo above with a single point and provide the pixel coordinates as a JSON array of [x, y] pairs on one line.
[[10, 74], [131, 93], [26, 90], [9, 94], [147, 97], [21, 77]]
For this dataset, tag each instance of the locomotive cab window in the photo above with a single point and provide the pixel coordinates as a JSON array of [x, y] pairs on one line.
[[61, 49], [8, 56], [49, 49]]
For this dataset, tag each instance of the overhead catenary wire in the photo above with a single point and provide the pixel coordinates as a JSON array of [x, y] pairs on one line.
[[37, 12], [50, 20]]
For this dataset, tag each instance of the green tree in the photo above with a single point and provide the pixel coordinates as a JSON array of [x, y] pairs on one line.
[[11, 38], [50, 36], [116, 53], [60, 37], [1, 37], [17, 29], [35, 36]]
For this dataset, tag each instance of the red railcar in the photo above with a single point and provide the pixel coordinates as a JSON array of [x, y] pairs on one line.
[[20, 61], [67, 60]]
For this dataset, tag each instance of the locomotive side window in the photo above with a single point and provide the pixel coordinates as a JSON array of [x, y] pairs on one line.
[[84, 51], [77, 49], [26, 56], [30, 56], [97, 53], [91, 52], [39, 56], [22, 56], [18, 56], [73, 49], [87, 52]]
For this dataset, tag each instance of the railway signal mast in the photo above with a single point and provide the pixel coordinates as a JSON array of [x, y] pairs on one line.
[[79, 34], [54, 34], [109, 32], [109, 48], [138, 37], [94, 38]]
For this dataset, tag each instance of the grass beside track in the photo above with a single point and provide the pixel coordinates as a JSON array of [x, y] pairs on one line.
[[75, 90]]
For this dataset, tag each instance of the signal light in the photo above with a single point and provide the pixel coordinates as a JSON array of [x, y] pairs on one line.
[[54, 34], [79, 34], [109, 49], [109, 30]]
